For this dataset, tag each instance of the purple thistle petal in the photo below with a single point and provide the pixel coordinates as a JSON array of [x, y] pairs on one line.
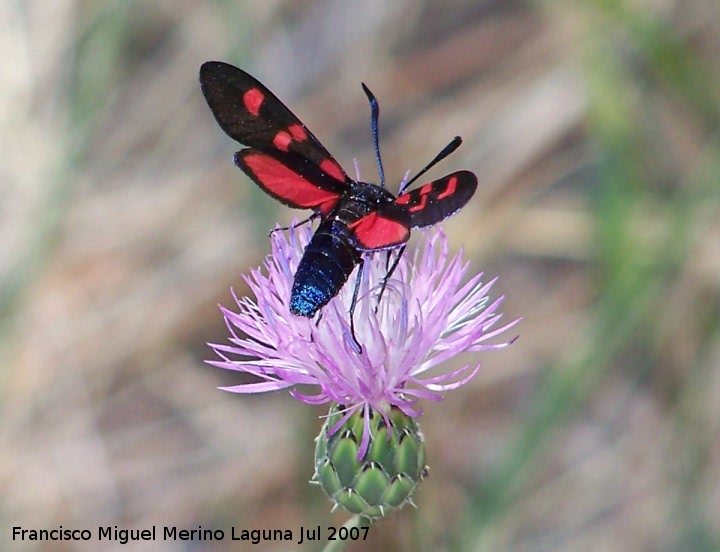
[[257, 387]]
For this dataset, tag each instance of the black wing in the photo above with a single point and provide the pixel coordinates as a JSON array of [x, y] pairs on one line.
[[390, 225], [280, 145]]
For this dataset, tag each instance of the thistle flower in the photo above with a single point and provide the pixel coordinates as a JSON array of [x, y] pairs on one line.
[[426, 316]]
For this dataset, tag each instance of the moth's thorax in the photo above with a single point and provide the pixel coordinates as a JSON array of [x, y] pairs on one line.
[[361, 199]]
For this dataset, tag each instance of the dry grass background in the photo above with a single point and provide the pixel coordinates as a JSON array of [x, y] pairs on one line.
[[593, 127]]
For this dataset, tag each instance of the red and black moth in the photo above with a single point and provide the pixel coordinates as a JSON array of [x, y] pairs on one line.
[[286, 160]]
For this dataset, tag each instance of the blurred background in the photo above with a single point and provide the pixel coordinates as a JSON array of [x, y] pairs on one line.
[[594, 129]]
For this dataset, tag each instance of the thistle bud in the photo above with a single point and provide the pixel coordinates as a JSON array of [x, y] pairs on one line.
[[382, 479]]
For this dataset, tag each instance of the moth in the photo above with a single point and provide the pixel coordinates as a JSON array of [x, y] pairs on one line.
[[290, 164]]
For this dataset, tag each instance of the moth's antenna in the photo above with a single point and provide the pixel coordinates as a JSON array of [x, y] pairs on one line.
[[447, 150], [375, 108]]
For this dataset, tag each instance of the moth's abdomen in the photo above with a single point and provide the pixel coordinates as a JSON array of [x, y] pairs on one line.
[[324, 268]]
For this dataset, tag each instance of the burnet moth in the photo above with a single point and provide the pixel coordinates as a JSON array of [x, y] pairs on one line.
[[286, 160]]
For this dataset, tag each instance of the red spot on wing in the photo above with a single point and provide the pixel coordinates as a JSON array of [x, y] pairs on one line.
[[298, 132], [253, 99], [282, 140], [418, 198], [331, 168], [420, 206], [287, 185], [450, 188], [425, 188], [376, 232]]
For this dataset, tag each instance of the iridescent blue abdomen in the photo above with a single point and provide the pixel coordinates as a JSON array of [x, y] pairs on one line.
[[324, 268]]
